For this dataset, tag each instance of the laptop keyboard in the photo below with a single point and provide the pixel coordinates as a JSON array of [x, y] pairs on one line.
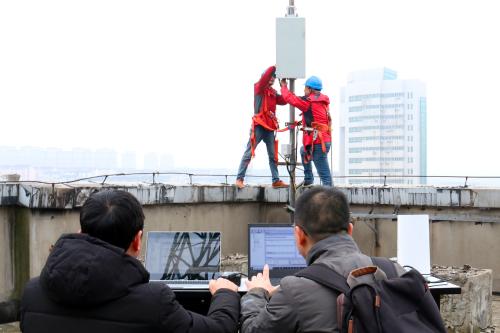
[[275, 281], [200, 282]]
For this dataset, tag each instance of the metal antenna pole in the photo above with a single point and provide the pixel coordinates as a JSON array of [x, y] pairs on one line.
[[293, 153], [291, 11]]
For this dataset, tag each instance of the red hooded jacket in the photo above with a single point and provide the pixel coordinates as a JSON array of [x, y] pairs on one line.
[[314, 109], [265, 100]]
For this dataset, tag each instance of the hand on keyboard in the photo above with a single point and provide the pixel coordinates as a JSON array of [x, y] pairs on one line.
[[220, 283]]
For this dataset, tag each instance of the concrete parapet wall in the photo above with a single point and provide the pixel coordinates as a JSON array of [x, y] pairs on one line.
[[45, 227], [6, 267], [464, 243], [230, 219], [64, 197], [424, 196], [464, 228], [59, 196]]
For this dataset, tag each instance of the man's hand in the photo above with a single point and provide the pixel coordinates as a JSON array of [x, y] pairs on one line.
[[220, 283], [283, 83], [262, 281]]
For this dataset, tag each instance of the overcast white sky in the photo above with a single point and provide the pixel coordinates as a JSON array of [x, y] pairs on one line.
[[177, 76]]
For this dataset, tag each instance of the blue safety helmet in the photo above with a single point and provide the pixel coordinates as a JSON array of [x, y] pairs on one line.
[[315, 83]]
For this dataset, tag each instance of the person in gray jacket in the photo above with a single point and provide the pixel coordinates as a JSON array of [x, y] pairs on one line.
[[323, 235]]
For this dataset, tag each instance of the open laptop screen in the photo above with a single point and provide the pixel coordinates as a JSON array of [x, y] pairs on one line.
[[273, 244], [183, 255]]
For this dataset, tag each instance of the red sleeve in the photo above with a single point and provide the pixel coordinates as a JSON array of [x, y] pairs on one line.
[[264, 80], [280, 100], [291, 99]]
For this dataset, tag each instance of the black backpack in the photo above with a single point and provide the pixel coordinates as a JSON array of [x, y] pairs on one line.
[[383, 302]]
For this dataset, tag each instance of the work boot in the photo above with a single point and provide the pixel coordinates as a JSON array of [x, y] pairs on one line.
[[239, 183], [279, 184], [303, 184]]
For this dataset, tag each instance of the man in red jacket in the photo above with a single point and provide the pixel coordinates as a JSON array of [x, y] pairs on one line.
[[264, 126], [316, 125]]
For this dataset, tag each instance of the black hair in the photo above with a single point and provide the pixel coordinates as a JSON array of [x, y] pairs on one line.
[[113, 216], [321, 212]]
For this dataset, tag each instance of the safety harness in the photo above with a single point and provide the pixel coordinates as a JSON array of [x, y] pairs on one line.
[[312, 131], [258, 120]]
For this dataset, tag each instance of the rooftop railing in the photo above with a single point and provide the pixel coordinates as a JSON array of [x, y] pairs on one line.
[[189, 178]]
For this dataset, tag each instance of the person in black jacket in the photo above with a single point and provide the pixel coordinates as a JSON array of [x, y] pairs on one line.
[[92, 281]]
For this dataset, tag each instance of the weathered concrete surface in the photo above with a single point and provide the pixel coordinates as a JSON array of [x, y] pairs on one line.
[[65, 197], [231, 219], [6, 272], [59, 196], [471, 311], [462, 243], [11, 177], [9, 194], [10, 328], [425, 196], [45, 227], [495, 309], [235, 263]]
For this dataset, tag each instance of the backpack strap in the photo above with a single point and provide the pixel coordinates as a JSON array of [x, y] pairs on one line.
[[326, 277], [386, 265]]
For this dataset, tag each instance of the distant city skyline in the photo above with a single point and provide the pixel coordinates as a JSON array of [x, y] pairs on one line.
[[49, 172], [37, 163], [60, 165]]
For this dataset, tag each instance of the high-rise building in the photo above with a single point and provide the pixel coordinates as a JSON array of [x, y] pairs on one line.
[[383, 129]]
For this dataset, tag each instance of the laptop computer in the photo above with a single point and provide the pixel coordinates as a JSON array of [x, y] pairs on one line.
[[183, 260], [273, 244]]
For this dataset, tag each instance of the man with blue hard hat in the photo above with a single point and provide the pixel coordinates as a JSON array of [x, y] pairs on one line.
[[316, 126]]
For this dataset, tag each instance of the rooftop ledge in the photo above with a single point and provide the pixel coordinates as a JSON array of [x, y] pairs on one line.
[[42, 196]]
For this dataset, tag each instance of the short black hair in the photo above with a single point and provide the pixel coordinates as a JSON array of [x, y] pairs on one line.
[[321, 212], [113, 216]]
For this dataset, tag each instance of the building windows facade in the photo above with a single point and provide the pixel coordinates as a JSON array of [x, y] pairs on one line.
[[383, 128]]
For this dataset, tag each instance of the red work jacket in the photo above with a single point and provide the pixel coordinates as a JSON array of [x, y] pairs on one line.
[[314, 108], [265, 100]]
